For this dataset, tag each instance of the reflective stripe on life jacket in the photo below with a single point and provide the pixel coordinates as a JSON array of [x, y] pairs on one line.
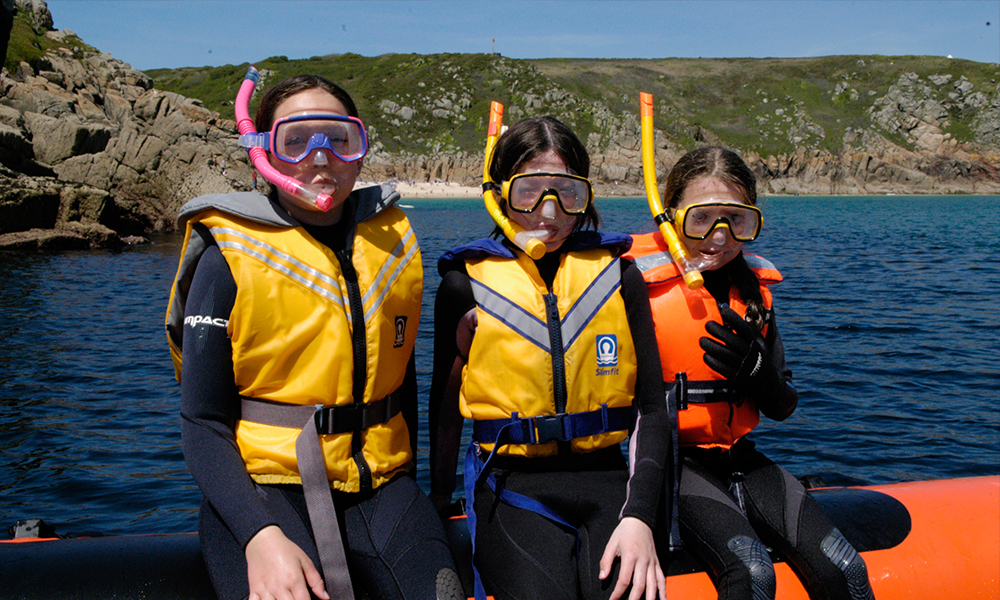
[[549, 353], [310, 327]]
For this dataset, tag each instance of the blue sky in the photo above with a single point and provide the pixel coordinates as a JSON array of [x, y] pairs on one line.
[[150, 34]]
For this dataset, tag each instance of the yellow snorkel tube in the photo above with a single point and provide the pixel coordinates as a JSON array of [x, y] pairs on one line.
[[523, 239], [692, 276]]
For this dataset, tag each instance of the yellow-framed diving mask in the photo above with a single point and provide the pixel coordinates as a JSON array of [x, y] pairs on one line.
[[524, 192], [698, 221]]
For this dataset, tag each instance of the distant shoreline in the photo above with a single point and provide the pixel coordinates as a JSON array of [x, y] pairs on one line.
[[427, 190], [442, 190], [451, 191]]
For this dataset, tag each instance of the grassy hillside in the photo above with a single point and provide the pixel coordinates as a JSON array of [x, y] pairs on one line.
[[460, 84], [428, 103], [738, 100], [770, 106], [28, 43]]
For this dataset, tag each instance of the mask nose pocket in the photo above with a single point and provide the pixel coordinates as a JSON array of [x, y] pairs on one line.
[[320, 159]]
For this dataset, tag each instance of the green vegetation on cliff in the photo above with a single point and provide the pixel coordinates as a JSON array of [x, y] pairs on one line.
[[28, 43], [429, 103], [423, 104], [95, 151]]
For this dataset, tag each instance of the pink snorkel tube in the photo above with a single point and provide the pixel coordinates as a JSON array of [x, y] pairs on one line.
[[306, 197]]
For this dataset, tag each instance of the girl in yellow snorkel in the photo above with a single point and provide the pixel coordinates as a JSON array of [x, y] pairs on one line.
[[555, 362], [724, 364]]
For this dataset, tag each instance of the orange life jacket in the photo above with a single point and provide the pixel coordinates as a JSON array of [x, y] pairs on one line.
[[710, 413]]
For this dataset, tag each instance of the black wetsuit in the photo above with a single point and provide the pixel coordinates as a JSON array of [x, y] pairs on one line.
[[394, 539], [519, 553], [777, 512]]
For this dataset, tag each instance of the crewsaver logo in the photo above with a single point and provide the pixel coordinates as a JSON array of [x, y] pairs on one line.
[[607, 351], [197, 320], [400, 332]]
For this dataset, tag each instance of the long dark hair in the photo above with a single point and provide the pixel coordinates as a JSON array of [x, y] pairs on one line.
[[533, 137], [727, 166]]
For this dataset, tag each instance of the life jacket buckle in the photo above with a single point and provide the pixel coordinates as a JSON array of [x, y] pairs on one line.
[[321, 418], [550, 428], [339, 419], [681, 383], [324, 419]]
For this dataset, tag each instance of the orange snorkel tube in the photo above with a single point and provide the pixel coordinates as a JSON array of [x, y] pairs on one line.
[[692, 276], [523, 239]]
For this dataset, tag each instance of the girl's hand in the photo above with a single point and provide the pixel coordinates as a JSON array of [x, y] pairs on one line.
[[280, 570], [632, 541], [737, 351]]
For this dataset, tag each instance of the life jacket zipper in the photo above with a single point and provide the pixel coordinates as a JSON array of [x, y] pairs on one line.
[[557, 351], [360, 373]]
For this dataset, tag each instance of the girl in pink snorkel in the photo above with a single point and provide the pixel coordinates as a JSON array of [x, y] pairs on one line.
[[292, 324]]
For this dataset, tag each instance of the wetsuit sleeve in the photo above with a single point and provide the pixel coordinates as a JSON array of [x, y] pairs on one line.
[[783, 399], [453, 300], [210, 405], [651, 443]]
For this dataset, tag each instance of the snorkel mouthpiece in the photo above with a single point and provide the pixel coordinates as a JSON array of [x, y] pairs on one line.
[[691, 270], [523, 239], [305, 196]]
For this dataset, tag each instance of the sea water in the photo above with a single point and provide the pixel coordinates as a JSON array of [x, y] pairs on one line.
[[887, 312]]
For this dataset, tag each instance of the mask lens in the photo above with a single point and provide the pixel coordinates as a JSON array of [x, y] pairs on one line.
[[295, 137], [573, 194], [743, 221], [527, 190], [525, 193]]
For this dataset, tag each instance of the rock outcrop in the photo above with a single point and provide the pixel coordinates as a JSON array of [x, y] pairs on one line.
[[92, 155]]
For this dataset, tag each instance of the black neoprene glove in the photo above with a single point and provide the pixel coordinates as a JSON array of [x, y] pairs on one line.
[[737, 351]]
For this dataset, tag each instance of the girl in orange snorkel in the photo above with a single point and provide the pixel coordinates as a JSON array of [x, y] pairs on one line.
[[724, 364]]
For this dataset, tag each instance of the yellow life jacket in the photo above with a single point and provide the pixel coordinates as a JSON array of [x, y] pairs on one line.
[[535, 349], [292, 326], [710, 413]]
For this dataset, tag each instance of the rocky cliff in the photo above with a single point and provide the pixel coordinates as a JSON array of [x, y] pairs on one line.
[[92, 153]]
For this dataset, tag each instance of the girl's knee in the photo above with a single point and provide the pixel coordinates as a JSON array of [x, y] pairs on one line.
[[756, 564], [843, 555]]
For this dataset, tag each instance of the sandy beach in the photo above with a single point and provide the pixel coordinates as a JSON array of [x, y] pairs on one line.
[[440, 189]]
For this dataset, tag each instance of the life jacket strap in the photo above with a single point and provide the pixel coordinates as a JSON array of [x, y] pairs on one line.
[[332, 419], [478, 472], [530, 430], [561, 427], [682, 392], [315, 421], [322, 513]]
